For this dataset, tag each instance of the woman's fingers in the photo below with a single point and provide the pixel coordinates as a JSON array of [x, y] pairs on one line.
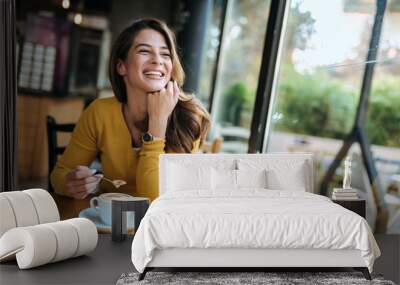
[[88, 188], [160, 106], [77, 193], [81, 195], [176, 88], [83, 188], [80, 172], [176, 91], [170, 88], [83, 181]]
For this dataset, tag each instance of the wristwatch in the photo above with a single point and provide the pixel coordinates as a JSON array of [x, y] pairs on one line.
[[147, 137]]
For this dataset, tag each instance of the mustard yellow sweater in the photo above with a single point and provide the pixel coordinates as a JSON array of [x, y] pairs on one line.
[[102, 129]]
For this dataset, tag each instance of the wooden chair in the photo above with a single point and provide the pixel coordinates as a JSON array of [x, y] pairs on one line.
[[212, 147], [54, 149]]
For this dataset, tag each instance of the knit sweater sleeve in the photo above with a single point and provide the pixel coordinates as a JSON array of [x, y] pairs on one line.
[[81, 150]]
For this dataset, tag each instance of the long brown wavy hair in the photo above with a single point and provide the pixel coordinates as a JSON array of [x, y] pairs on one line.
[[189, 120]]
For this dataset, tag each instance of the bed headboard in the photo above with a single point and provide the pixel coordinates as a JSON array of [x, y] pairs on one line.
[[282, 162]]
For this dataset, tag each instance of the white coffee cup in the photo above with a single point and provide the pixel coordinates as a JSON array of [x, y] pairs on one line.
[[102, 204]]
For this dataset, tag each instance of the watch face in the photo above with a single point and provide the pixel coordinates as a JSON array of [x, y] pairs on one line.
[[147, 137]]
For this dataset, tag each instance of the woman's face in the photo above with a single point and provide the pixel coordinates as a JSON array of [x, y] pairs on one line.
[[148, 65]]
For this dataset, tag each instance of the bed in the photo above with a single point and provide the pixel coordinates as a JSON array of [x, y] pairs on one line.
[[246, 211]]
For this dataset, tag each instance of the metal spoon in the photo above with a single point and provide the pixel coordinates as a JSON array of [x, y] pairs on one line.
[[117, 182]]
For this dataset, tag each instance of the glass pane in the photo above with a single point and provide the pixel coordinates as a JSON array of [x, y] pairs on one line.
[[318, 89], [238, 72], [383, 124], [320, 77], [210, 52]]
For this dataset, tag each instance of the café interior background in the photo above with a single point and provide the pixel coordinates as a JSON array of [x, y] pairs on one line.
[[63, 48]]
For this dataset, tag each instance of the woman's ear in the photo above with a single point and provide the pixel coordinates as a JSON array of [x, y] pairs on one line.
[[121, 68]]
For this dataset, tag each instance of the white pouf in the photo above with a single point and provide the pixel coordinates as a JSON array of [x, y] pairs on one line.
[[66, 238], [7, 218], [26, 208], [33, 246], [40, 244], [45, 206], [87, 235], [23, 208]]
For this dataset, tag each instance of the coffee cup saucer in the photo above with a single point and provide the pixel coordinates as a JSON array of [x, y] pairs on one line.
[[92, 214]]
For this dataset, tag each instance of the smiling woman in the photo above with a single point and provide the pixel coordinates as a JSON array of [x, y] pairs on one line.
[[149, 115], [148, 63]]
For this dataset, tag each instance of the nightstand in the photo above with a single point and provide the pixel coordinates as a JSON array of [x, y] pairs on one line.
[[357, 206]]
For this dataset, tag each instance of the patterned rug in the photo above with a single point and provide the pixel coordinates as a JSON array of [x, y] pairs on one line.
[[230, 278]]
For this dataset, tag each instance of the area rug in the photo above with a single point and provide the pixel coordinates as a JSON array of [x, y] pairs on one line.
[[229, 278]]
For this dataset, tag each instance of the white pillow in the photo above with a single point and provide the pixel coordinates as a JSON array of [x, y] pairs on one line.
[[224, 179], [188, 177], [251, 178], [293, 180], [281, 174], [236, 179]]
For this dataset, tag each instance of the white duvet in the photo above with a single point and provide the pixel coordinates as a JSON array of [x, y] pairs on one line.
[[252, 218]]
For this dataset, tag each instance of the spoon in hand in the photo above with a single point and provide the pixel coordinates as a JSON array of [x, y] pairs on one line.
[[117, 182]]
